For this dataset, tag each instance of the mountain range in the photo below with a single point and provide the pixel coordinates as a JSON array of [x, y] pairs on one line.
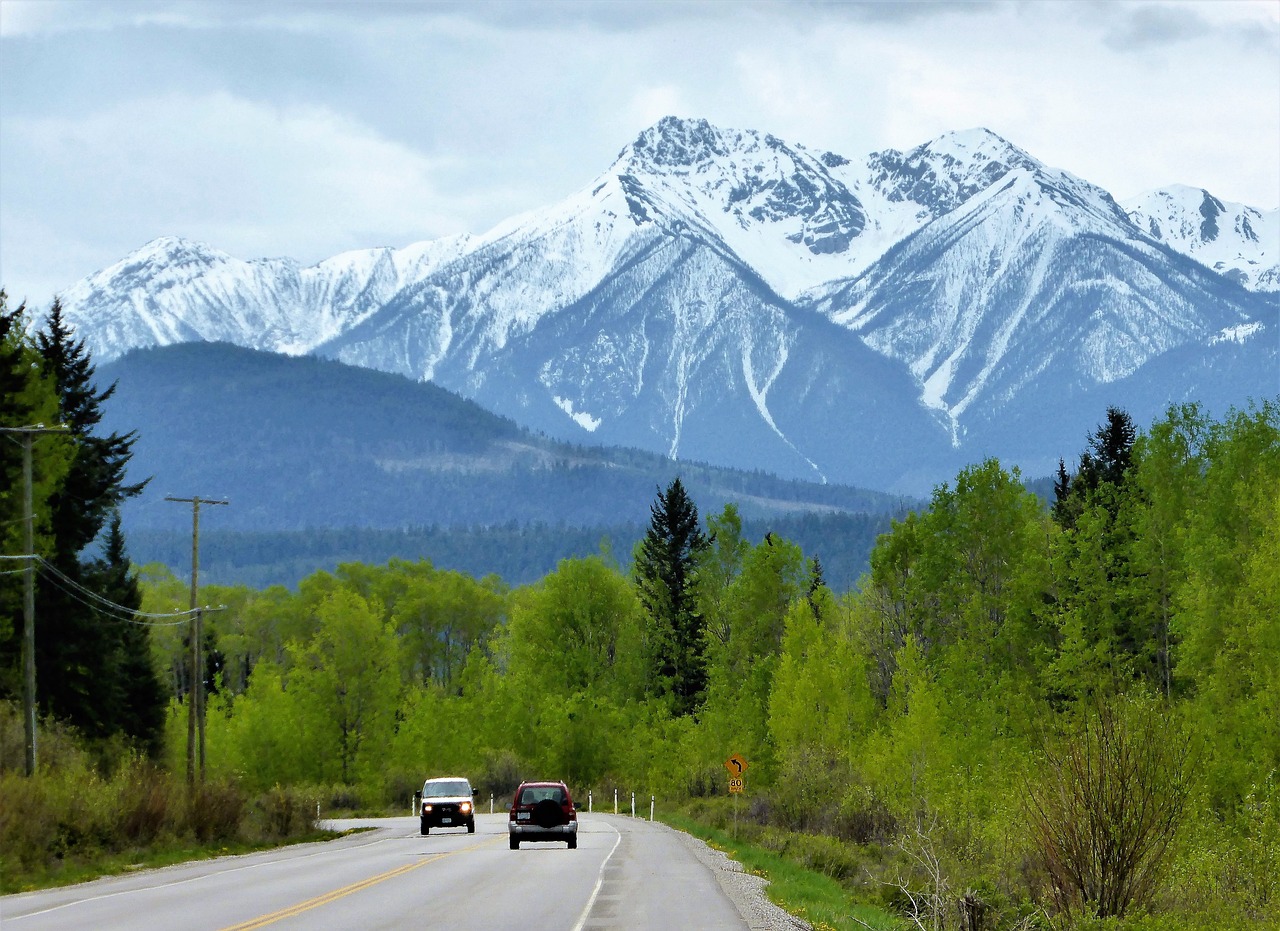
[[728, 297]]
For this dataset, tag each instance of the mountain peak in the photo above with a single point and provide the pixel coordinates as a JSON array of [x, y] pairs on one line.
[[977, 140], [172, 246], [1237, 241], [943, 173], [674, 141]]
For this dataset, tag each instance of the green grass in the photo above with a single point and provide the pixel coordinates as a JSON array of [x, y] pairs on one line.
[[812, 896], [75, 870]]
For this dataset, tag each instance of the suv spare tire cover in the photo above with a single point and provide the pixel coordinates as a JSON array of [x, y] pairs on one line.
[[548, 814]]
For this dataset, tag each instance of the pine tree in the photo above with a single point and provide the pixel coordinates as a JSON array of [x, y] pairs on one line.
[[1110, 630], [817, 582], [27, 398], [76, 657], [1107, 462], [136, 693], [664, 574]]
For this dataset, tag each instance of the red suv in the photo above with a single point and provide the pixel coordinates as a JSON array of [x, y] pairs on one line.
[[543, 811]]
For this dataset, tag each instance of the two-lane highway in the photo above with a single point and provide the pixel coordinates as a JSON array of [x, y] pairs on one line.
[[625, 874]]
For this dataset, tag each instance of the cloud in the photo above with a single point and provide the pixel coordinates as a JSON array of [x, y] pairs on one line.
[[244, 176], [305, 128], [1155, 25], [1141, 26]]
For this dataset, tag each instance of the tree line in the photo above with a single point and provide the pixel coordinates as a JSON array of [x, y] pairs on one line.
[[1074, 706]]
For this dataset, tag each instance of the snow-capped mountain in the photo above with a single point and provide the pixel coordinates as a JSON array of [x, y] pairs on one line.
[[1033, 295], [1239, 242], [726, 296], [173, 290]]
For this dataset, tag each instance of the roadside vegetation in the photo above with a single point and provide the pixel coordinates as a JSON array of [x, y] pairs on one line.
[[99, 810], [1061, 717]]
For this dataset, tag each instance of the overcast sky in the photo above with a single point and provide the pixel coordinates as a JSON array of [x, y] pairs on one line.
[[308, 128]]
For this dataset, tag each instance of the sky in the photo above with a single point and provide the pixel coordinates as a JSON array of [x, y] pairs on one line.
[[307, 128]]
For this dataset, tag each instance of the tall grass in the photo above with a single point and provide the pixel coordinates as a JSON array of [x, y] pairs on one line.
[[86, 814]]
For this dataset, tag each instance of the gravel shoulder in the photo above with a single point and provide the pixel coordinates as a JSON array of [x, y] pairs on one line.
[[744, 889]]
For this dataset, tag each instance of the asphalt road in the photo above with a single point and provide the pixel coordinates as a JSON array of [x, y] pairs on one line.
[[626, 874]]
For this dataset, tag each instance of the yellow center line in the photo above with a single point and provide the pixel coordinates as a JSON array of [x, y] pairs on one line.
[[336, 894]]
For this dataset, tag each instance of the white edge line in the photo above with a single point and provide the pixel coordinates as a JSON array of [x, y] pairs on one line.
[[192, 879], [582, 919]]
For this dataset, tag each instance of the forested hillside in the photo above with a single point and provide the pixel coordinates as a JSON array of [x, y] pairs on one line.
[[1066, 712], [310, 444], [519, 554]]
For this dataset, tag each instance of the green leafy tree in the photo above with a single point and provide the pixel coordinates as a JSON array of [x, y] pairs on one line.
[[1228, 616], [576, 631], [441, 617], [820, 697], [348, 680], [966, 581], [1169, 475], [774, 577], [895, 607], [717, 566]]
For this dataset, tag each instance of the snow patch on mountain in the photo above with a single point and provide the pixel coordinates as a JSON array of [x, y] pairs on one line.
[[581, 418], [1239, 242], [1236, 334]]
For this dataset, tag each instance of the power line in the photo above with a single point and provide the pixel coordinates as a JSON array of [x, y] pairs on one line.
[[70, 586], [118, 612], [55, 571], [100, 609]]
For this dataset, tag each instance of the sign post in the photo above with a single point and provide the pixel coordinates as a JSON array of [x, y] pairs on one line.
[[736, 766]]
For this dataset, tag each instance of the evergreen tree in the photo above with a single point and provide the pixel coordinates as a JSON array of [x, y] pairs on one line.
[[1107, 462], [1061, 495], [27, 398], [76, 656], [136, 693], [817, 582], [1109, 630], [664, 575]]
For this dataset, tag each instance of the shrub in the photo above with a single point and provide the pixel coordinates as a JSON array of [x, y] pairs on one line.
[[283, 813], [145, 802], [399, 789], [215, 811], [343, 798], [1108, 809]]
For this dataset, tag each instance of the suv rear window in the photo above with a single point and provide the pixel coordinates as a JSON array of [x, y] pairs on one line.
[[534, 794]]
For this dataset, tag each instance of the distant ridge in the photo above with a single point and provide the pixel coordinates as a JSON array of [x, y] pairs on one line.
[[307, 443]]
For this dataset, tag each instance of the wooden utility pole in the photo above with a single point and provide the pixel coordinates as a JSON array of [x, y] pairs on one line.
[[195, 697], [28, 435]]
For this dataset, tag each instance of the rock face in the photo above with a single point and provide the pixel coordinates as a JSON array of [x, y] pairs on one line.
[[726, 296]]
